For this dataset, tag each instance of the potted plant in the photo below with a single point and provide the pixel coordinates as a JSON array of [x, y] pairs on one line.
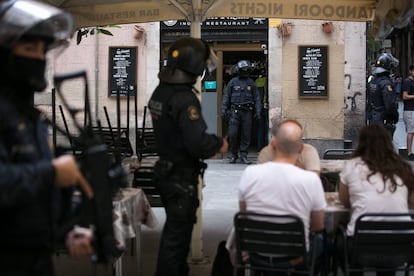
[[327, 27], [285, 28]]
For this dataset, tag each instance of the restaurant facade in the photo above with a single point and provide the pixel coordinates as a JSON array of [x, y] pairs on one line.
[[314, 71]]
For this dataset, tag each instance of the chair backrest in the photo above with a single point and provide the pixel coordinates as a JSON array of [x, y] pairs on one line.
[[269, 234], [121, 145], [338, 154], [383, 240], [143, 179], [146, 143]]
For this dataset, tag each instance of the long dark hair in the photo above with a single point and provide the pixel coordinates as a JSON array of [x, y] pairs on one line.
[[375, 148]]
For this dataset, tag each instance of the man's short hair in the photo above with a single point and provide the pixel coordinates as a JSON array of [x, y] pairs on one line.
[[411, 67], [276, 126], [288, 143]]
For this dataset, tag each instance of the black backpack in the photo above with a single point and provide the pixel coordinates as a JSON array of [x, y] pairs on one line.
[[222, 265]]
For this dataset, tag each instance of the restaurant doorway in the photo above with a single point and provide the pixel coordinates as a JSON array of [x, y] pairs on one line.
[[258, 59]]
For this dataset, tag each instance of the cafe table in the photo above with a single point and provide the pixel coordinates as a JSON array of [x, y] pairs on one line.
[[131, 210], [335, 213]]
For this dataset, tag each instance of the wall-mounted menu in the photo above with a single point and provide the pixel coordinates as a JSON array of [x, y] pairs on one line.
[[313, 71], [122, 71]]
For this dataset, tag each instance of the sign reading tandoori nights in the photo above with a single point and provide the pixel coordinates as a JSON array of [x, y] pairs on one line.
[[300, 9]]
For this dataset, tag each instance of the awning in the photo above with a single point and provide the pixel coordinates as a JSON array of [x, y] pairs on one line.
[[105, 12], [391, 14]]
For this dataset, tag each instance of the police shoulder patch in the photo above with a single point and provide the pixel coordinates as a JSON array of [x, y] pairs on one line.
[[389, 88], [193, 113]]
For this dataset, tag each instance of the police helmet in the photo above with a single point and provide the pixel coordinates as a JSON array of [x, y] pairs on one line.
[[186, 60], [244, 68], [29, 19], [385, 63]]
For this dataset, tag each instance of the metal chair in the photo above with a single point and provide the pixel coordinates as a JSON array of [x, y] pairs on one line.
[[143, 179], [384, 245], [338, 154], [265, 235]]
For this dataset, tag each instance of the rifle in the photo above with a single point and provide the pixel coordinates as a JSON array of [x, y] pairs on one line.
[[105, 176]]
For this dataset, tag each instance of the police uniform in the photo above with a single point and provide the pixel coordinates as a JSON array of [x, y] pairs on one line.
[[28, 197], [241, 100], [182, 141], [382, 102]]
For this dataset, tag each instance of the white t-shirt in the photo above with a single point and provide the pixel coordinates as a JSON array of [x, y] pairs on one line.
[[280, 188], [367, 196]]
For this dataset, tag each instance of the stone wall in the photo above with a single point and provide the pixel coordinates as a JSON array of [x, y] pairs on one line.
[[326, 121]]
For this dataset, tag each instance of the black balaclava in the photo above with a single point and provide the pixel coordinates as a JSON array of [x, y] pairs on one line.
[[20, 76]]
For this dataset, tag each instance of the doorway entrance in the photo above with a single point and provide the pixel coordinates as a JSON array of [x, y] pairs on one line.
[[258, 59]]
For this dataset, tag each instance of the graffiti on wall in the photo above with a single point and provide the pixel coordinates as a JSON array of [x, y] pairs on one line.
[[350, 100], [354, 107]]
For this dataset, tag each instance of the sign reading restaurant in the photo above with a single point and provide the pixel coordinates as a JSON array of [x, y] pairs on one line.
[[219, 23]]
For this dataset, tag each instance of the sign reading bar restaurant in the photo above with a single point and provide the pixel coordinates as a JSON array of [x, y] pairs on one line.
[[313, 71], [122, 71]]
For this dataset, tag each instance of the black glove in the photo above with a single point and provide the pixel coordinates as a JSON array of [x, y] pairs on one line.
[[257, 116]]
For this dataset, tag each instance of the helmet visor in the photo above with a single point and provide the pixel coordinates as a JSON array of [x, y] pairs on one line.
[[32, 19], [395, 62]]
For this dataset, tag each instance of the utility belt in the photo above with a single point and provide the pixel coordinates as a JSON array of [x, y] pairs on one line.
[[164, 168], [178, 177], [243, 106]]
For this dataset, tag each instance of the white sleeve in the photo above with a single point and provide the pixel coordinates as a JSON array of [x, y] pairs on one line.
[[346, 170], [243, 184]]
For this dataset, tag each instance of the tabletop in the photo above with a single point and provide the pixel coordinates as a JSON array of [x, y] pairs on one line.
[[335, 213], [130, 207]]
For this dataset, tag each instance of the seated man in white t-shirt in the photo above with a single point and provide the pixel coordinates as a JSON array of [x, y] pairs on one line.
[[280, 187], [308, 158]]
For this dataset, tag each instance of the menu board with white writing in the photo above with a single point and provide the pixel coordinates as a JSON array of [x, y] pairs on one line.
[[313, 71], [122, 71]]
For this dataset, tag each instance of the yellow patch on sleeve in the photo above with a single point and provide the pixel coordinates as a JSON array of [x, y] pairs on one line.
[[389, 88], [175, 54], [193, 113]]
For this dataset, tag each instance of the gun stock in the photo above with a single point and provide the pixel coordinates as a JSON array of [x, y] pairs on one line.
[[104, 176]]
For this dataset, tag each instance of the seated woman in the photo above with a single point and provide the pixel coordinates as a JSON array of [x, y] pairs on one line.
[[376, 179]]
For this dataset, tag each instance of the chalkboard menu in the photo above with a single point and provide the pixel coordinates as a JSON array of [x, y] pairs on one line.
[[122, 71], [313, 71]]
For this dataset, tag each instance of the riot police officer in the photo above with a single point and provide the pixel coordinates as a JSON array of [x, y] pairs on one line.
[[182, 143], [30, 177], [240, 101], [382, 100]]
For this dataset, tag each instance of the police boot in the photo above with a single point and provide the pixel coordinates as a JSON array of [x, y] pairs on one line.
[[244, 160], [233, 159]]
